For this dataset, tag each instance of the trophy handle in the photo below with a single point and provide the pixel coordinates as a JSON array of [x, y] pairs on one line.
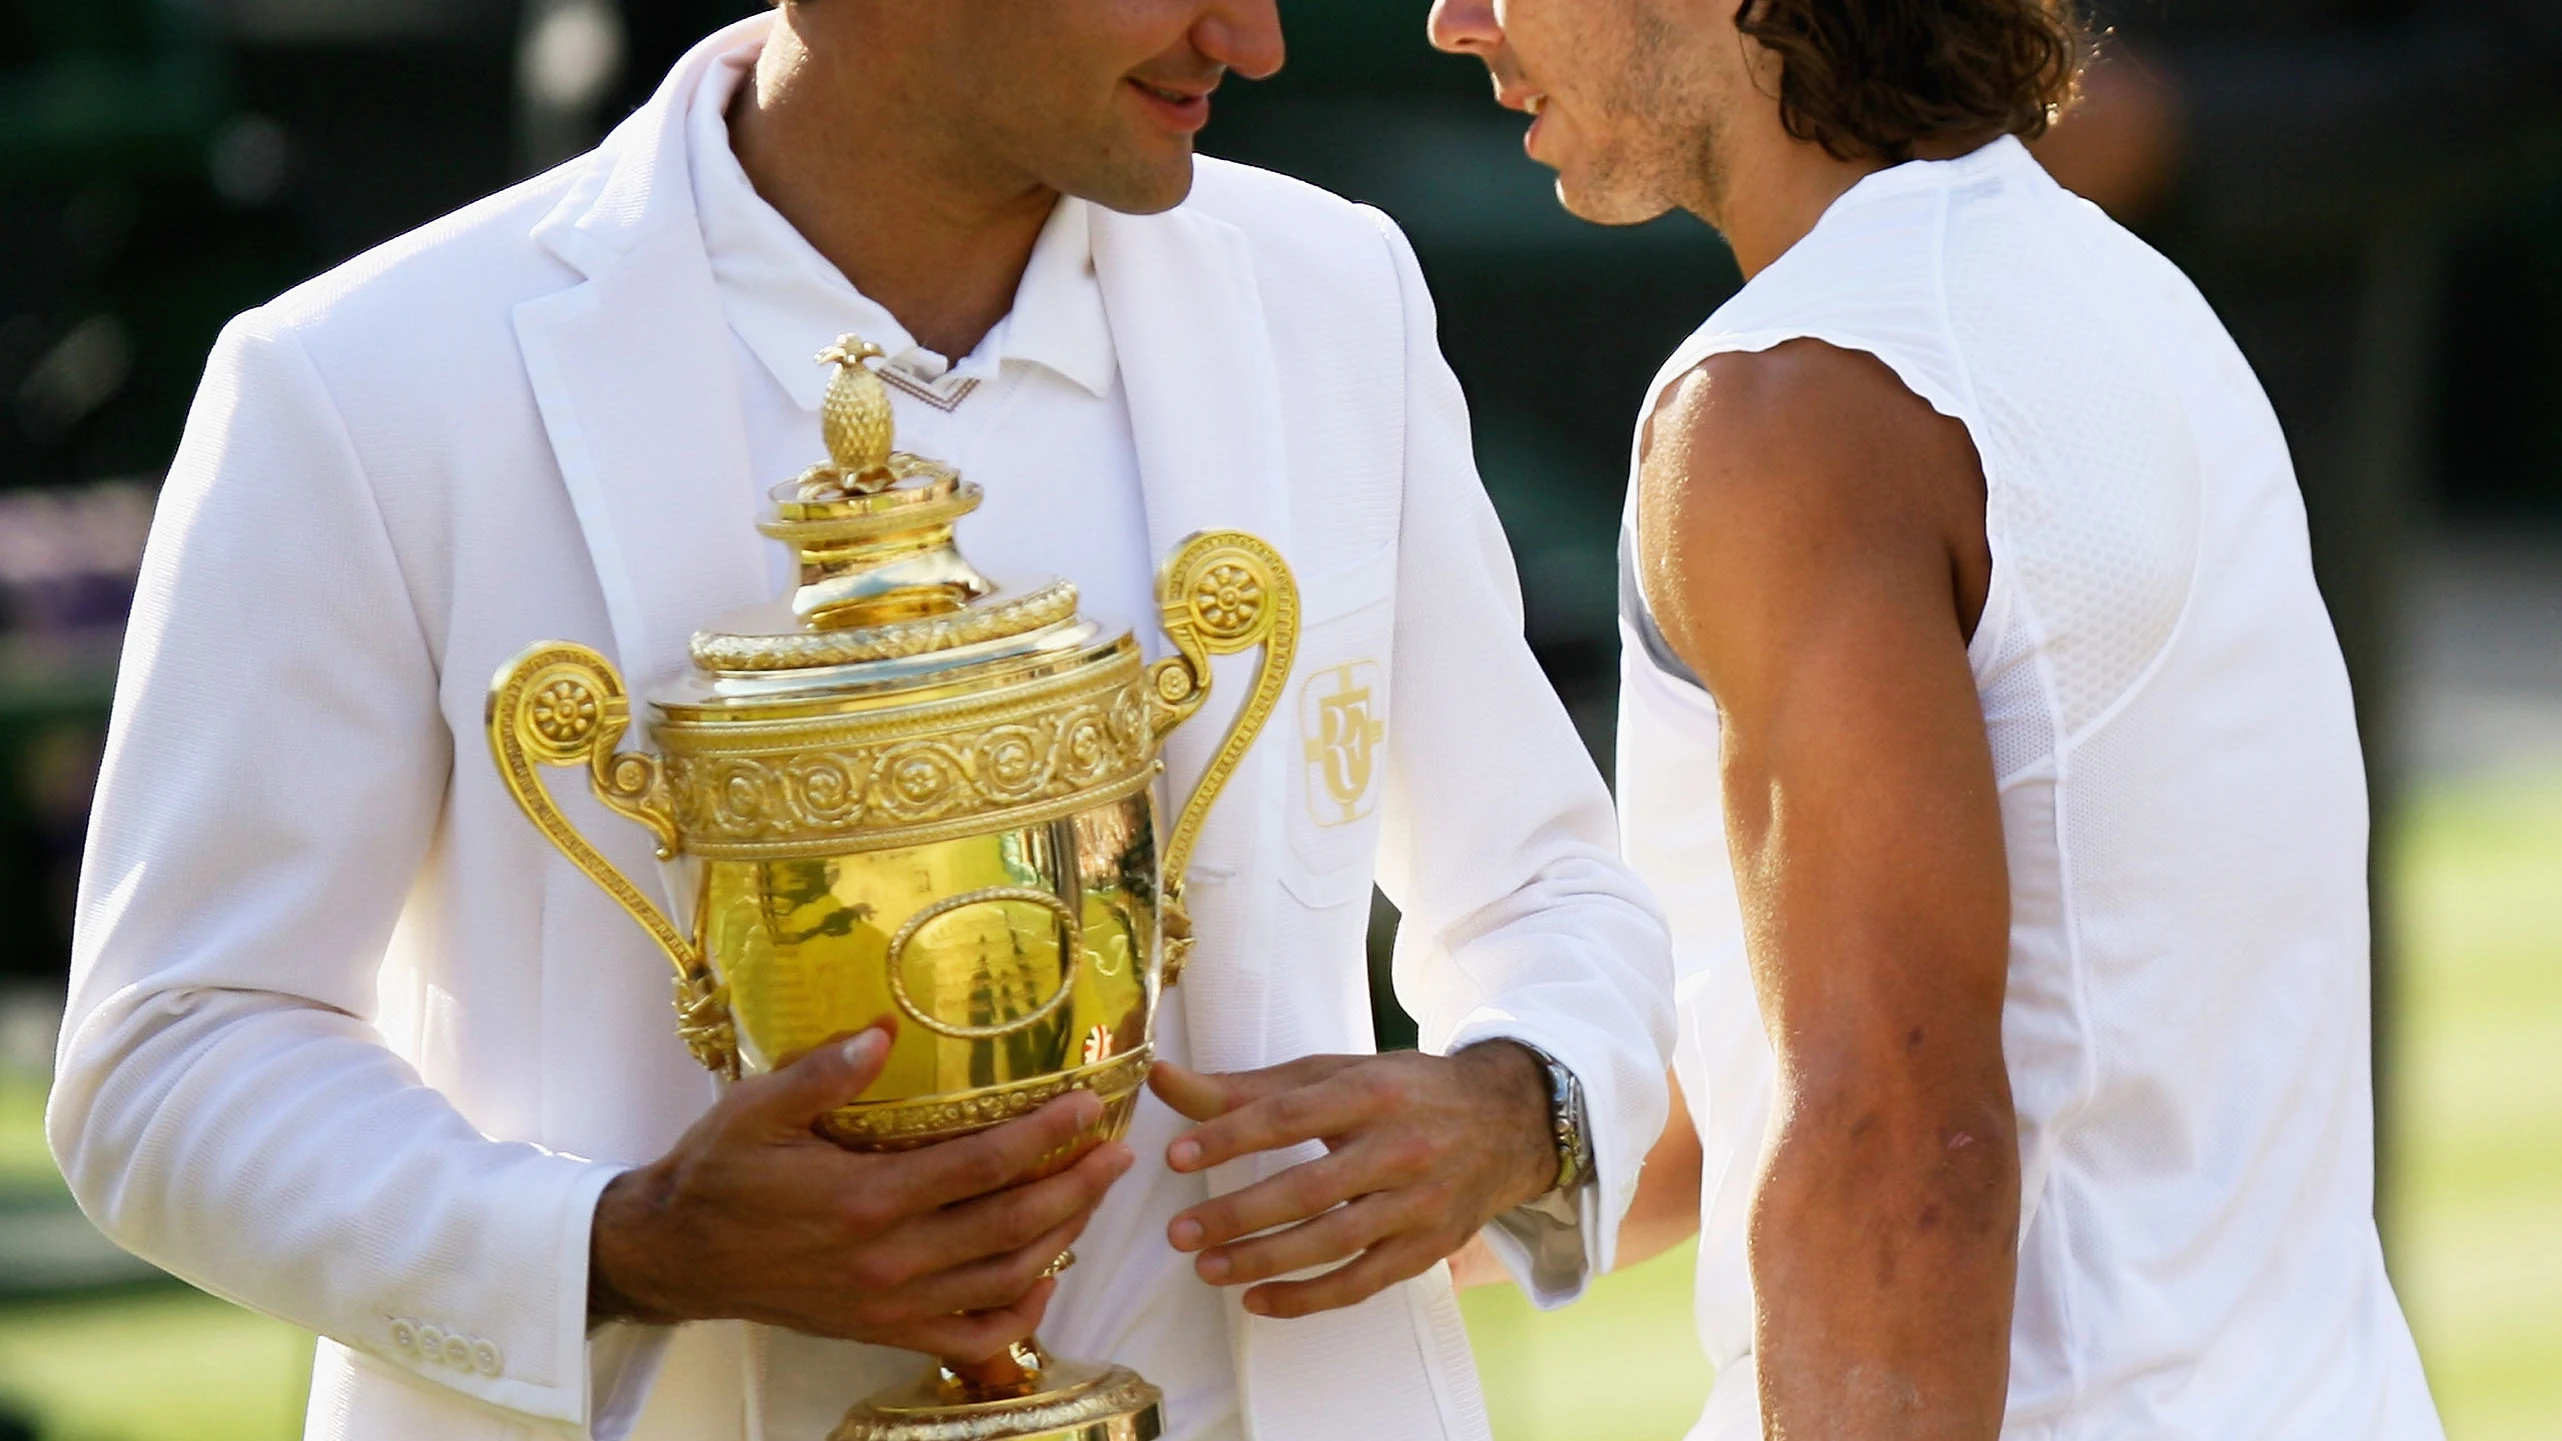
[[561, 704], [1221, 592]]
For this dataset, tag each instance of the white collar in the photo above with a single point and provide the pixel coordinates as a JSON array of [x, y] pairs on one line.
[[787, 302]]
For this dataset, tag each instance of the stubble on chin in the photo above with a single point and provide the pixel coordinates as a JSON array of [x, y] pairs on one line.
[[1656, 151], [1132, 182]]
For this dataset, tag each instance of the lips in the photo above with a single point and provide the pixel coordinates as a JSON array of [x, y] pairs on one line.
[[1181, 108], [1512, 95], [1536, 105]]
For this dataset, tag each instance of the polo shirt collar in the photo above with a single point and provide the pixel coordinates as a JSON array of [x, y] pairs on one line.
[[787, 302]]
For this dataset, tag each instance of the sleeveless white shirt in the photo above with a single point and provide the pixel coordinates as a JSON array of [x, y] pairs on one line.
[[2184, 813]]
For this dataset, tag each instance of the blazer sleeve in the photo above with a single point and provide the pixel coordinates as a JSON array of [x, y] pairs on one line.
[[275, 772], [1498, 842]]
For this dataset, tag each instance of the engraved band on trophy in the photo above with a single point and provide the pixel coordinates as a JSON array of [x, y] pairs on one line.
[[905, 788]]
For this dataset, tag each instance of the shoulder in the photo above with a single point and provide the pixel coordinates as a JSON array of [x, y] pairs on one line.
[[395, 365], [1809, 422], [1870, 277], [454, 280], [1269, 205], [1776, 476], [1302, 236], [1337, 289]]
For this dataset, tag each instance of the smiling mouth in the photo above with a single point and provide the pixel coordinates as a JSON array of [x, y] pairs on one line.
[[1182, 110], [1534, 104], [1170, 97], [1512, 95]]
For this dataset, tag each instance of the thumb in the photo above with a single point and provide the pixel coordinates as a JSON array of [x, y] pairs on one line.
[[828, 1075]]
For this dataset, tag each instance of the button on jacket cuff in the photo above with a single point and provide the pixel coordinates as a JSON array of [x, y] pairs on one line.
[[588, 1386], [348, 1198]]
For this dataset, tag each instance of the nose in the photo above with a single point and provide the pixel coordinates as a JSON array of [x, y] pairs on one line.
[[1243, 35], [1465, 27]]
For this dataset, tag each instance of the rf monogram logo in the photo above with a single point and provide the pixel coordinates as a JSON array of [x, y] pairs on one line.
[[1340, 730]]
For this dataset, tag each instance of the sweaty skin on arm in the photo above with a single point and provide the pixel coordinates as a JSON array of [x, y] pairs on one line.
[[1811, 537]]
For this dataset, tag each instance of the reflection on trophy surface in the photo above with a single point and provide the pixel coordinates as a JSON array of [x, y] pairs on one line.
[[906, 788]]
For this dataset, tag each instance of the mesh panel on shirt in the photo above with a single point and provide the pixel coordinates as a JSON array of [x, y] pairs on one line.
[[2093, 474], [2018, 719]]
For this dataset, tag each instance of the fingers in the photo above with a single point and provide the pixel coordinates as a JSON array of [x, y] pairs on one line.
[[1322, 1105], [1295, 1195], [1193, 1095], [994, 1224], [1339, 1234], [996, 1157], [982, 1254], [828, 1075], [1201, 1095], [997, 1280], [977, 1335], [1373, 1271]]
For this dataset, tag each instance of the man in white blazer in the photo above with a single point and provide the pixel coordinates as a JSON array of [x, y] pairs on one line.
[[350, 1043]]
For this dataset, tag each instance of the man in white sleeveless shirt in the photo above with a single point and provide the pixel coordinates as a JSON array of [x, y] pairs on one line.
[[1988, 743]]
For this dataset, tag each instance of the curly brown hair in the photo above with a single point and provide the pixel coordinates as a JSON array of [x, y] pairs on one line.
[[1874, 78]]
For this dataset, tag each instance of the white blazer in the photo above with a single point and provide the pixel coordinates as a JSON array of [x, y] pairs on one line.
[[349, 1043]]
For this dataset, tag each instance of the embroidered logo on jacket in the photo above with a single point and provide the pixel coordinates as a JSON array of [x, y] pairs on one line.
[[1339, 731]]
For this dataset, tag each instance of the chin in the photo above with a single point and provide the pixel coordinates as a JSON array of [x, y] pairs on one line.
[[1138, 185], [1606, 204]]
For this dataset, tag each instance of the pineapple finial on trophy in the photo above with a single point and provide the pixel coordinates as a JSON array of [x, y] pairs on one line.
[[855, 418]]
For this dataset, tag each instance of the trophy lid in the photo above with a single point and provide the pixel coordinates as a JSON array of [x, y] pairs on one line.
[[885, 595]]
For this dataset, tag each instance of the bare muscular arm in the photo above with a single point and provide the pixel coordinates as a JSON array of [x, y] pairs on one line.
[[1812, 540]]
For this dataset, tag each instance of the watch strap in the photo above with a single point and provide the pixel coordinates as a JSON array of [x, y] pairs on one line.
[[1568, 1122]]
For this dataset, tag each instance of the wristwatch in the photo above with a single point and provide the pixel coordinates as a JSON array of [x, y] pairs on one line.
[[1568, 1121]]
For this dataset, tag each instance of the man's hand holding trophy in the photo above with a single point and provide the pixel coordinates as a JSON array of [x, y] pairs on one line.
[[938, 1250]]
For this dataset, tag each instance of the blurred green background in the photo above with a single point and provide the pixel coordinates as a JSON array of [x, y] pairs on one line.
[[2369, 191]]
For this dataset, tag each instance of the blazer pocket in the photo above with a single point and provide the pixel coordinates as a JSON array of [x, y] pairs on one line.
[[1334, 719]]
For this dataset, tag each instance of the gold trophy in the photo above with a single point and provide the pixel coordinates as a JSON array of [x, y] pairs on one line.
[[906, 789]]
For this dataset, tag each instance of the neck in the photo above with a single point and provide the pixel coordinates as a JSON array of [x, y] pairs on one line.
[[1772, 191], [1770, 195], [934, 233]]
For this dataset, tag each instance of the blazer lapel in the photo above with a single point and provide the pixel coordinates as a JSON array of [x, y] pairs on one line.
[[1196, 362], [639, 394], [633, 373]]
